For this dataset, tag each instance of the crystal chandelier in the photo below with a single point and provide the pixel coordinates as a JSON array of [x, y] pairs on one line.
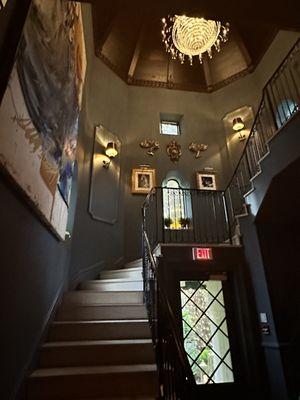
[[186, 37]]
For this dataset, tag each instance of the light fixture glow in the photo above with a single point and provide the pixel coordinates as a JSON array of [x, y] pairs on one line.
[[111, 150], [238, 124], [2, 4], [188, 37]]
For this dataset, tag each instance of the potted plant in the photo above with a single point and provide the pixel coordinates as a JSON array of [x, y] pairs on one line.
[[185, 222], [168, 222]]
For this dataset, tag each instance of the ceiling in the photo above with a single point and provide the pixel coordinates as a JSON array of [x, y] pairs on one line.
[[128, 39]]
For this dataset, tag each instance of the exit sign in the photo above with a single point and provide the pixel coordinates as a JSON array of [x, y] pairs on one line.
[[202, 253]]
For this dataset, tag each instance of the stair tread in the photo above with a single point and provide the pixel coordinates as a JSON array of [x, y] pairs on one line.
[[67, 305], [92, 370], [137, 261], [132, 269], [97, 342], [113, 280], [106, 292], [102, 321]]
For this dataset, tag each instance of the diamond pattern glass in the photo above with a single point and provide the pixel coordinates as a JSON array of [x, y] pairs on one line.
[[205, 331]]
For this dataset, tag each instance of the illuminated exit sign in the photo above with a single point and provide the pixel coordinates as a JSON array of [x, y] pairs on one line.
[[202, 253]]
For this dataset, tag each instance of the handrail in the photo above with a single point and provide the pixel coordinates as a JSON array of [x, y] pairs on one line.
[[171, 320], [281, 64], [260, 108], [176, 215], [245, 147]]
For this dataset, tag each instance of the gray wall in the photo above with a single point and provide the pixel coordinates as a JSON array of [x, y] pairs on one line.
[[33, 272], [132, 113], [198, 124], [96, 244]]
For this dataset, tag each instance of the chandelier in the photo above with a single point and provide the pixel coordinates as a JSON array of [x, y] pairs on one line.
[[186, 37]]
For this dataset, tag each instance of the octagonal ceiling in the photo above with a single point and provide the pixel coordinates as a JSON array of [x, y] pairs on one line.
[[128, 40]]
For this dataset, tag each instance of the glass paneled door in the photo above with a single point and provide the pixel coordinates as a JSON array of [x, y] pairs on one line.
[[205, 331]]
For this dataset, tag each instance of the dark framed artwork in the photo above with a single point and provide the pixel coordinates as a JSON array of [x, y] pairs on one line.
[[206, 181]]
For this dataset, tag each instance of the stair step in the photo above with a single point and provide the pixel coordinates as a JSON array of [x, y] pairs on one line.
[[134, 263], [98, 382], [130, 269], [90, 296], [93, 312], [113, 285], [92, 330], [129, 274], [96, 352]]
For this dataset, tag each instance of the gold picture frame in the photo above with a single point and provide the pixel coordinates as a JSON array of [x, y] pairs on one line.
[[206, 181], [143, 180]]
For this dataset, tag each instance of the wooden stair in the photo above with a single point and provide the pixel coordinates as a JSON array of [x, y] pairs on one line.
[[99, 345]]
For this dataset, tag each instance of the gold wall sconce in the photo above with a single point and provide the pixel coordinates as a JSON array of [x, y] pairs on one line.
[[151, 145], [197, 148], [238, 126], [111, 151]]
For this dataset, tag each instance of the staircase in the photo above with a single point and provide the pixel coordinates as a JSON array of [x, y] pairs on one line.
[[99, 345]]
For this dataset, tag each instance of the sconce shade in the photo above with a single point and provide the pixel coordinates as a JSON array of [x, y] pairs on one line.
[[238, 124], [111, 150]]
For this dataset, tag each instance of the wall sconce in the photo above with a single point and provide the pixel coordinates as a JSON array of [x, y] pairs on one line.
[[197, 148], [238, 125], [2, 4], [111, 151], [151, 145]]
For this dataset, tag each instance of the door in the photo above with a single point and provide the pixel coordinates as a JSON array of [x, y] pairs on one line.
[[205, 328]]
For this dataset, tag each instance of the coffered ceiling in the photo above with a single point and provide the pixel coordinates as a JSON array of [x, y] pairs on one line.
[[127, 38]]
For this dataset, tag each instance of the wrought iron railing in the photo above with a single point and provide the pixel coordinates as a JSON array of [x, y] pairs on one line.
[[280, 102], [196, 216], [186, 216], [175, 375]]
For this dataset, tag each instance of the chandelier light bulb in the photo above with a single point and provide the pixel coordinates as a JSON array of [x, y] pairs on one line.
[[189, 36]]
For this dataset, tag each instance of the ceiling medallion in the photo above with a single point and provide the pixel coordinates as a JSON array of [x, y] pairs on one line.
[[186, 37]]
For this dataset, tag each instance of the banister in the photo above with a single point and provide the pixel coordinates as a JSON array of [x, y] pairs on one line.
[[169, 322], [264, 93]]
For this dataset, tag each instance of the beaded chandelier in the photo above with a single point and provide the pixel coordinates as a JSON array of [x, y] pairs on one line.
[[186, 37]]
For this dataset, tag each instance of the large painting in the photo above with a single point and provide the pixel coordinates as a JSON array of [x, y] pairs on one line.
[[40, 110]]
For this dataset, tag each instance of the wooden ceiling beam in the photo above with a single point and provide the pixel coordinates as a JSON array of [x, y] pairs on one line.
[[242, 47], [103, 21], [136, 53], [284, 15], [207, 73]]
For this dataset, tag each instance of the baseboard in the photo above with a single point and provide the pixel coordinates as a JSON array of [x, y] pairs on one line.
[[87, 273], [118, 263], [20, 391]]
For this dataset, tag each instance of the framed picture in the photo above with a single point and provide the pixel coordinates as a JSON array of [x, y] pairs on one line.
[[206, 181], [143, 180]]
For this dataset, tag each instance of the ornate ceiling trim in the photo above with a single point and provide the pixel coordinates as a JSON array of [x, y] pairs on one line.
[[172, 85]]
